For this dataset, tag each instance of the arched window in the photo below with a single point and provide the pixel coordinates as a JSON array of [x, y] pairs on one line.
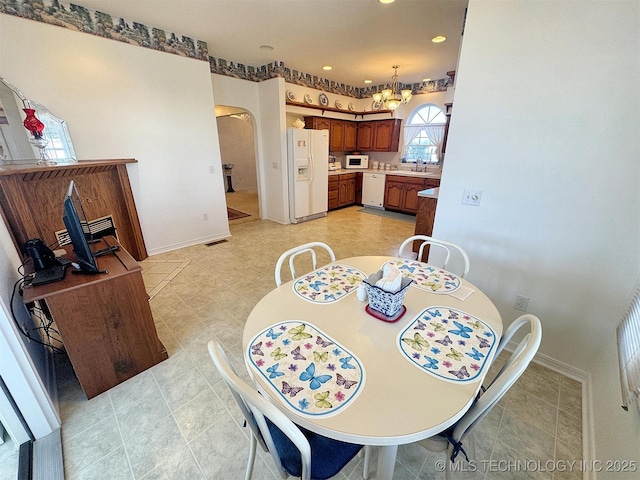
[[423, 135]]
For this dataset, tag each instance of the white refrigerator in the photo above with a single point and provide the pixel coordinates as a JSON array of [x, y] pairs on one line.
[[308, 167]]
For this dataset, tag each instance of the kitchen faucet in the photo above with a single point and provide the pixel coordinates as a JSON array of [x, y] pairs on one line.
[[418, 162]]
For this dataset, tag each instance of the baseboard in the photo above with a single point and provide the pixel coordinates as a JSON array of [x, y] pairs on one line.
[[197, 241], [588, 437]]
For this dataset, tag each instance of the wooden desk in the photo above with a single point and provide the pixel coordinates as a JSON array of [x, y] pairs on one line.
[[104, 320], [31, 200]]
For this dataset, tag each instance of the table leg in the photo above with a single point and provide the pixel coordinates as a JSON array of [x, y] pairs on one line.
[[386, 462]]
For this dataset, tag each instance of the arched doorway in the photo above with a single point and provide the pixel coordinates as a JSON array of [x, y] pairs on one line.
[[237, 137]]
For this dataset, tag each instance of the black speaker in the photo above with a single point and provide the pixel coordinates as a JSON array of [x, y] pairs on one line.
[[42, 256]]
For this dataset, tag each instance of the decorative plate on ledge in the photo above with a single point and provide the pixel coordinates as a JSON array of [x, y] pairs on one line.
[[291, 96], [338, 104], [352, 107], [376, 105], [324, 101], [308, 99]]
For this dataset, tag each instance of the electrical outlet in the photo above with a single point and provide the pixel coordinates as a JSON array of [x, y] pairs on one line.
[[205, 216], [472, 197], [212, 169], [521, 303], [274, 165]]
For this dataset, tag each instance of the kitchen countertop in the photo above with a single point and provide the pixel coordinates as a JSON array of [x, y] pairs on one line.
[[429, 193], [403, 173]]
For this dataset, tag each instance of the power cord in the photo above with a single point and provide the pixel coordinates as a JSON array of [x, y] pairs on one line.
[[44, 320]]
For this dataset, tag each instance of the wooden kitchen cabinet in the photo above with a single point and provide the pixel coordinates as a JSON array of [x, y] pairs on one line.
[[424, 223], [336, 136], [379, 135], [401, 193], [343, 134], [358, 200], [366, 131], [342, 190], [317, 123], [350, 136], [387, 136], [334, 181]]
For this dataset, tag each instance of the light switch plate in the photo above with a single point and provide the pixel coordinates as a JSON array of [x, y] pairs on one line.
[[472, 197]]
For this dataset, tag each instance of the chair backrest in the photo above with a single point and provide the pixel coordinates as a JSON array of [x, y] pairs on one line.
[[292, 253], [256, 410], [507, 376], [448, 247]]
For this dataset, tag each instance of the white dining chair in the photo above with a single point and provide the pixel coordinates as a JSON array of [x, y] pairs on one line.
[[292, 253], [452, 441], [446, 246], [295, 451]]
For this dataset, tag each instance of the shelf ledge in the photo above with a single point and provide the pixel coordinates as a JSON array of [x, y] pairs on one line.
[[337, 110]]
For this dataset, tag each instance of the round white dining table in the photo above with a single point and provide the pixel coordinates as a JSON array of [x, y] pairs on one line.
[[398, 403]]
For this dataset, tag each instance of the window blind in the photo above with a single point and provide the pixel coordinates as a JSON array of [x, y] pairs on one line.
[[628, 333]]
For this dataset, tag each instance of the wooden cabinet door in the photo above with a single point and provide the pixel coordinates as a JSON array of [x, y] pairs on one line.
[[393, 194], [387, 136], [317, 123], [342, 193], [410, 200], [351, 191], [366, 131], [358, 188], [336, 136], [350, 136]]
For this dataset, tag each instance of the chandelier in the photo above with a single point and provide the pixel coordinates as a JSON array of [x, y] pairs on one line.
[[391, 97]]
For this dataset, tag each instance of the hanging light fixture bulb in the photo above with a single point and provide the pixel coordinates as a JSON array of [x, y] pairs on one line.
[[391, 96]]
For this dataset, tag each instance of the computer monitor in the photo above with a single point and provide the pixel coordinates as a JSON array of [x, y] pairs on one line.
[[78, 228]]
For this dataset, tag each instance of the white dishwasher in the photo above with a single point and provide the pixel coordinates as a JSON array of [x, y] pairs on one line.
[[373, 189]]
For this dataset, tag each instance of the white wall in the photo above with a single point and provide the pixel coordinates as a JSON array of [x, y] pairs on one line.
[[545, 123], [274, 146], [237, 146], [123, 101], [265, 102], [119, 101]]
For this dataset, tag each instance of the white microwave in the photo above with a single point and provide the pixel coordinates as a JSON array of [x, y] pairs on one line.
[[356, 161]]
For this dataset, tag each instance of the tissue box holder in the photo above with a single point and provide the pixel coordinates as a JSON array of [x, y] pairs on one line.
[[389, 304]]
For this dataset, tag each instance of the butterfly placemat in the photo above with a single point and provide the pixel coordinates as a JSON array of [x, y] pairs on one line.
[[426, 277], [309, 371], [448, 343], [329, 284]]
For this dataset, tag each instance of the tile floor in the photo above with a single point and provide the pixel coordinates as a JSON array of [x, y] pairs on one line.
[[178, 421]]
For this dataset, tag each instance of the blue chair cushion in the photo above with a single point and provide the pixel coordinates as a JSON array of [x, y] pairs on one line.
[[328, 456]]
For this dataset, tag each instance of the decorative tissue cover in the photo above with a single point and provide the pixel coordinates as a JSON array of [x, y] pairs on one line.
[[329, 284], [448, 343], [426, 277], [310, 372]]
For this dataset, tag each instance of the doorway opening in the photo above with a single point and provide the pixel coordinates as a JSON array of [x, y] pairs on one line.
[[237, 137]]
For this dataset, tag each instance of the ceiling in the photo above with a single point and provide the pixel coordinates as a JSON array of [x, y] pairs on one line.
[[360, 39]]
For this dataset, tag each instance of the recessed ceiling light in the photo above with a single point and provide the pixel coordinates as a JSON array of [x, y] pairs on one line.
[[439, 39], [327, 67], [426, 79], [266, 48], [368, 81], [386, 1]]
